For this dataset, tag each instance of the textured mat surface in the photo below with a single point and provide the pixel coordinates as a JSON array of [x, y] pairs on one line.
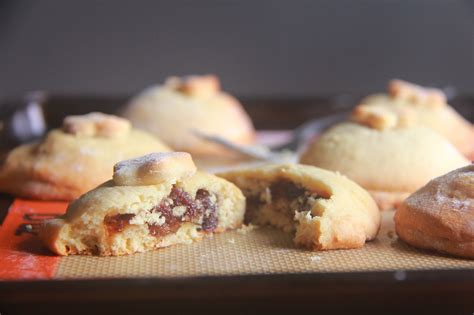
[[262, 250]]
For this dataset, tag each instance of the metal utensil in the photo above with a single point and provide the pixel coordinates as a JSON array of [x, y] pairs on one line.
[[22, 121], [285, 152]]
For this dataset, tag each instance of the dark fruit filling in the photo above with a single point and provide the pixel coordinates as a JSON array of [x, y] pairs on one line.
[[116, 223], [253, 203], [201, 210], [285, 197], [209, 209]]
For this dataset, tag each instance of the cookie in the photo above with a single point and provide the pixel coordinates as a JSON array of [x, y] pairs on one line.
[[407, 104], [389, 163], [174, 110], [440, 216], [325, 210], [153, 169], [155, 207], [69, 161]]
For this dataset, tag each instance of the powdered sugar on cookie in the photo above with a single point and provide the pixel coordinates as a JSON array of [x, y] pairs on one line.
[[154, 168]]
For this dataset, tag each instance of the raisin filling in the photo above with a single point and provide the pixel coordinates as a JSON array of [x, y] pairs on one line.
[[117, 223], [284, 196], [209, 220], [178, 207]]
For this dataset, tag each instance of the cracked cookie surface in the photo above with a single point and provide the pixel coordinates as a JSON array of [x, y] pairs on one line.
[[440, 216]]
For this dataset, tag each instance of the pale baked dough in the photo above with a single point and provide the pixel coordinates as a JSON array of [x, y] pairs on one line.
[[68, 162], [324, 209], [154, 168], [96, 125], [174, 110], [389, 163], [408, 104], [440, 216], [116, 220]]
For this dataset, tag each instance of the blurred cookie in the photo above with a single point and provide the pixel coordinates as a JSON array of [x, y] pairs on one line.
[[389, 163], [72, 160], [408, 104], [440, 216], [172, 111], [149, 204], [324, 209]]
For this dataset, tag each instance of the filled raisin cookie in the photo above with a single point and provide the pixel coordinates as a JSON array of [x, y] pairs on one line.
[[440, 216], [325, 210], [407, 104], [69, 161], [175, 110], [153, 201], [391, 163]]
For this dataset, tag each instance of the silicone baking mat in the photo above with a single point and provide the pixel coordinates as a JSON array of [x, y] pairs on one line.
[[261, 250]]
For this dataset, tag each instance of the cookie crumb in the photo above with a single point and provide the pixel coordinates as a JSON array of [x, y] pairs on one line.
[[390, 234], [246, 228], [315, 258], [232, 241]]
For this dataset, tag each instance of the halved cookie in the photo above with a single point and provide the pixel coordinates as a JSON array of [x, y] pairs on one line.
[[324, 209], [72, 160], [440, 216], [154, 201]]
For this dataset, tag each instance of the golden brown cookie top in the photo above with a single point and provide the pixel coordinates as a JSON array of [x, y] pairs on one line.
[[154, 168], [460, 185], [440, 215], [195, 85], [96, 125], [454, 190]]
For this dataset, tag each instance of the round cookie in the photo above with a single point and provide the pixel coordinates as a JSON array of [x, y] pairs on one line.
[[173, 110], [389, 163], [68, 162], [325, 210], [413, 105], [440, 216], [171, 208]]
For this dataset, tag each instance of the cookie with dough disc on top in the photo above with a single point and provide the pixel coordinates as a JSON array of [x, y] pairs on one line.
[[153, 201], [414, 105], [176, 109], [71, 160], [390, 161]]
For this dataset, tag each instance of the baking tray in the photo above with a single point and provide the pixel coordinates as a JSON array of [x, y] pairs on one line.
[[328, 284]]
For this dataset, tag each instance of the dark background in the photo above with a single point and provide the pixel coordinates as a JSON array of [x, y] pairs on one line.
[[258, 48]]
